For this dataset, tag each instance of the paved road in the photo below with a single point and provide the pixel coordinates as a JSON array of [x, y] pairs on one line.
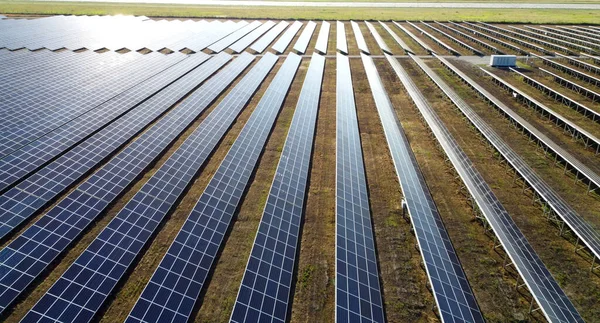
[[470, 5]]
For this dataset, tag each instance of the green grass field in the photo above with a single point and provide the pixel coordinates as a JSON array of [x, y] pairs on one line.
[[175, 10]]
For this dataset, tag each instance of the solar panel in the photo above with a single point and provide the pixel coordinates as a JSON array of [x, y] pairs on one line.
[[435, 39], [594, 96], [588, 139], [549, 36], [492, 38], [522, 42], [35, 115], [384, 47], [414, 37], [51, 234], [571, 71], [287, 37], [305, 36], [268, 38], [396, 37], [471, 38], [233, 37], [551, 299], [567, 37], [360, 40], [29, 196], [584, 110], [116, 247], [553, 201], [271, 261], [571, 163], [22, 162], [323, 38], [190, 257], [358, 295], [581, 64], [454, 39], [453, 295], [241, 44], [341, 43]]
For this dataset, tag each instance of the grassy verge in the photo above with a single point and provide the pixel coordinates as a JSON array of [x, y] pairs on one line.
[[175, 10]]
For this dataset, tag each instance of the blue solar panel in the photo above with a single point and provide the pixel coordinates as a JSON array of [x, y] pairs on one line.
[[358, 295], [46, 239], [287, 37], [22, 162], [103, 263], [265, 40], [197, 243], [323, 38], [341, 43], [275, 246], [33, 114], [29, 196], [451, 290]]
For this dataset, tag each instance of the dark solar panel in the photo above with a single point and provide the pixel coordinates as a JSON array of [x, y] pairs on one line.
[[29, 196], [268, 38], [323, 38], [190, 257], [32, 251], [22, 162], [273, 254], [451, 290], [358, 295], [305, 36], [287, 37], [116, 247]]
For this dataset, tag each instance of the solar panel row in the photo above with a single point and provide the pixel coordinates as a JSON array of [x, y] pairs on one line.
[[98, 269], [435, 39], [492, 38], [287, 37], [360, 39], [569, 70], [581, 64], [181, 274], [233, 37], [454, 39], [584, 110], [29, 196], [357, 291], [561, 155], [268, 38], [22, 162], [414, 37], [552, 199], [511, 38], [588, 139], [396, 37], [48, 110], [565, 37], [305, 36], [454, 297], [524, 34], [543, 34], [26, 257], [241, 44], [271, 262], [471, 38], [551, 299], [378, 39], [323, 38], [594, 96]]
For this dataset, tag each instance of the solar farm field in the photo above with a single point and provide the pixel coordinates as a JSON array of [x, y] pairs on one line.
[[175, 170]]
